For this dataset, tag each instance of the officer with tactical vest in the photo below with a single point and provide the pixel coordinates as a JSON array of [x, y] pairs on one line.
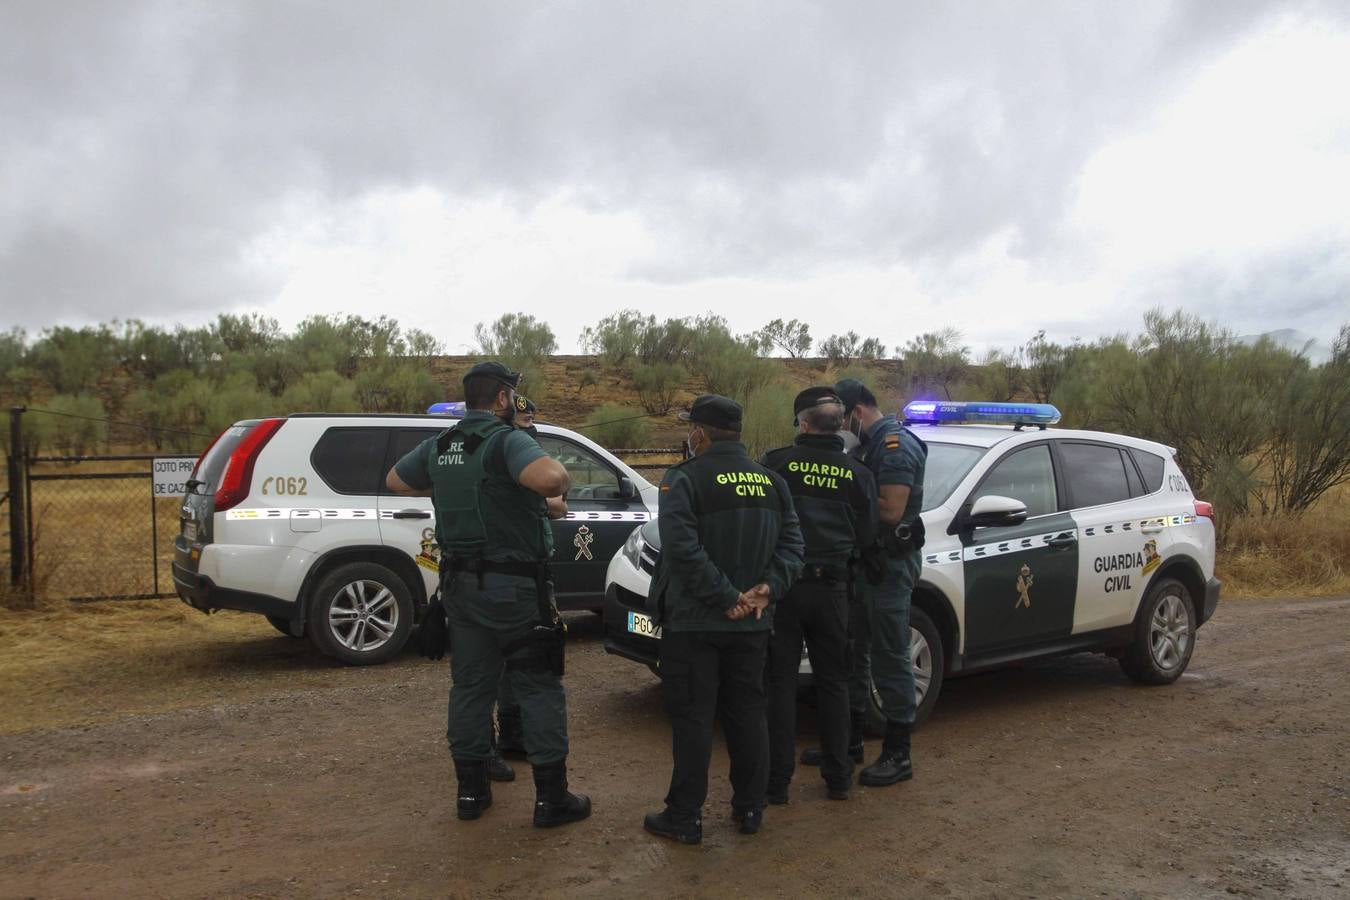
[[730, 547], [489, 484], [836, 501], [896, 458], [510, 733]]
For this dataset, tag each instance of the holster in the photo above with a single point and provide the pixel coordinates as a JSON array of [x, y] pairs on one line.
[[544, 647]]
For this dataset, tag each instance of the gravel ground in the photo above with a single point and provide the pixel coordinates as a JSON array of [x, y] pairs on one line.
[[1058, 778]]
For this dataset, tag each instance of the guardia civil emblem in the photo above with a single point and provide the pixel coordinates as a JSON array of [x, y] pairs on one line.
[[582, 541], [1024, 582]]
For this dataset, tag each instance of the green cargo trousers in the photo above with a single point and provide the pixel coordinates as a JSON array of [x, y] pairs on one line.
[[483, 624], [879, 641]]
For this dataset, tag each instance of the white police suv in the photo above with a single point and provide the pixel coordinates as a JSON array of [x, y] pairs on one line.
[[1038, 542], [290, 517]]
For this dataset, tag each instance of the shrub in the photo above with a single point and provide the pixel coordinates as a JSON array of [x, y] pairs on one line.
[[657, 384], [768, 418], [616, 338], [612, 426]]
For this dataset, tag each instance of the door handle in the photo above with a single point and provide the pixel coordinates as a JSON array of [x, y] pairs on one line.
[[412, 514], [1151, 529], [1062, 541]]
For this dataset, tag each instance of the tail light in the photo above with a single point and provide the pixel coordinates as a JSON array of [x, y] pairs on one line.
[[238, 474], [1204, 510]]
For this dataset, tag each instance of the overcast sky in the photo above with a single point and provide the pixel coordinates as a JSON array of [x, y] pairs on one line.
[[888, 167]]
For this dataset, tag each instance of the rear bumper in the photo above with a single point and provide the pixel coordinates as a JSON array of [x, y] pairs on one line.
[[619, 641], [1212, 588], [201, 593]]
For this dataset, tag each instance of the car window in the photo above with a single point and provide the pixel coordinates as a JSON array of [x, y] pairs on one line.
[[947, 464], [1026, 475], [1152, 465], [351, 460], [1094, 473], [592, 477]]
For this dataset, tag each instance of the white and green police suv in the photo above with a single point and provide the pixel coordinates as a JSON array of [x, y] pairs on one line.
[[1039, 541], [290, 517]]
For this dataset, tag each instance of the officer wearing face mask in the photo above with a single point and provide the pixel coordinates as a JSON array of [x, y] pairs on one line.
[[489, 483], [510, 732], [730, 547], [896, 458]]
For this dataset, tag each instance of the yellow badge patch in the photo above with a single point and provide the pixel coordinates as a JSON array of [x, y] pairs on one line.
[[665, 488], [892, 442]]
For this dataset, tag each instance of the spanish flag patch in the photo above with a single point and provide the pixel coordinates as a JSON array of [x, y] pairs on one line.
[[665, 488], [892, 442]]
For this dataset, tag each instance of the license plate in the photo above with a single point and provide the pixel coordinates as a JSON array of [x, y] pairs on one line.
[[190, 531], [643, 625]]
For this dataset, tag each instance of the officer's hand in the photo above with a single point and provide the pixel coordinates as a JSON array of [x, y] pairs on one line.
[[757, 599]]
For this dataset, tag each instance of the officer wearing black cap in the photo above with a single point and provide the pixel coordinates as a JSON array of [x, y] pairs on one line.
[[836, 500], [510, 731], [488, 483], [730, 547], [896, 458]]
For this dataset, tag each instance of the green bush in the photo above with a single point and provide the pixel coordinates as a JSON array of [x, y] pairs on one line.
[[321, 392], [616, 338], [612, 425], [657, 384], [768, 418]]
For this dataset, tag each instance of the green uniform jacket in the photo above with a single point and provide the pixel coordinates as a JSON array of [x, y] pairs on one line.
[[727, 524], [834, 495]]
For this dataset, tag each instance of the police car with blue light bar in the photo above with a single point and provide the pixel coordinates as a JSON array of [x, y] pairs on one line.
[[1040, 541]]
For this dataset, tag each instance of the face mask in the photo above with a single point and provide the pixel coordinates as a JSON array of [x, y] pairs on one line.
[[693, 447], [532, 432]]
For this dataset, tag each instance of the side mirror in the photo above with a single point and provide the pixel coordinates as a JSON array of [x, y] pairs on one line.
[[627, 490], [992, 511]]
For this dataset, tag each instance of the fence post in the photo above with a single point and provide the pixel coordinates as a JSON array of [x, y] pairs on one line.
[[18, 500]]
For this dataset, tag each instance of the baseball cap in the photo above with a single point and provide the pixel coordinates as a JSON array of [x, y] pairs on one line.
[[812, 397], [496, 370], [714, 411]]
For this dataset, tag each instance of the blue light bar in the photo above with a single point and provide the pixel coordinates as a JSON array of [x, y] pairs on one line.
[[456, 408], [938, 412]]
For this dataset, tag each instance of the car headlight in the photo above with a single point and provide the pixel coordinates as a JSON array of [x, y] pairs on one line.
[[632, 548]]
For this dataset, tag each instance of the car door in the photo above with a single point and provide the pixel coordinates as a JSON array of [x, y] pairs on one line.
[[599, 519], [409, 523], [1020, 580], [1120, 537]]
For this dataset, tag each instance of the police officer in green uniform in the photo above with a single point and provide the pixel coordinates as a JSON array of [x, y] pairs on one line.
[[510, 733], [836, 500], [896, 458], [488, 483], [730, 546]]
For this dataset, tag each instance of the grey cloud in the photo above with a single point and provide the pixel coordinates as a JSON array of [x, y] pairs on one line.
[[148, 144]]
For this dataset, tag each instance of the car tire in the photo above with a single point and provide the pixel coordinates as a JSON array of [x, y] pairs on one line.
[[930, 660], [284, 626], [360, 613], [1164, 635]]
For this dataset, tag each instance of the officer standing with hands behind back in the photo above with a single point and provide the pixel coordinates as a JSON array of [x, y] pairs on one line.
[[730, 546], [489, 483], [896, 457]]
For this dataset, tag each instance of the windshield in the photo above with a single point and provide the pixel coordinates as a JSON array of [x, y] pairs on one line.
[[947, 465]]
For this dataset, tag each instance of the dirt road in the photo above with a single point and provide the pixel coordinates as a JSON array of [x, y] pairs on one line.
[[1056, 779]]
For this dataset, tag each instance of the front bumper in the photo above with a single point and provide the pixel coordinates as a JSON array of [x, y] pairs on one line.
[[619, 641], [1212, 588]]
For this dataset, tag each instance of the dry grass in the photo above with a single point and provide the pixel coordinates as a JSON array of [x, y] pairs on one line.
[[81, 664], [1307, 555]]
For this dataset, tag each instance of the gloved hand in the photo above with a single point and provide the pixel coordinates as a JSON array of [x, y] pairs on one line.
[[433, 635]]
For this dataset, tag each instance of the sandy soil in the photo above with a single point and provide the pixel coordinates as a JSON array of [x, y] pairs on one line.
[[1059, 778]]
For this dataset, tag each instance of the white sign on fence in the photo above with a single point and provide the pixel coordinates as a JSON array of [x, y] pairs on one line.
[[170, 475]]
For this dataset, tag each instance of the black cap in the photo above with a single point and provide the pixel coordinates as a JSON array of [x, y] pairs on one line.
[[524, 404], [849, 391], [715, 411], [496, 370], [812, 397]]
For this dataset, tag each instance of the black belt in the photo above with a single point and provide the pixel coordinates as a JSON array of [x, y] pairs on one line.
[[825, 574]]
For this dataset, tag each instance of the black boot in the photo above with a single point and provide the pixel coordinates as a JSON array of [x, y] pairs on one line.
[[894, 763], [475, 793], [499, 769], [857, 729], [510, 733], [553, 805], [668, 825]]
